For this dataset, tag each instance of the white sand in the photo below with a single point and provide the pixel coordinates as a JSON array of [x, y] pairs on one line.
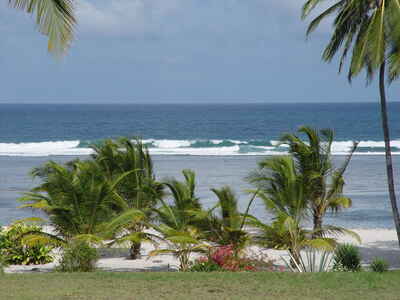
[[375, 243]]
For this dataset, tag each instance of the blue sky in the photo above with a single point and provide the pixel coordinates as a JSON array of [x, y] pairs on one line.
[[192, 51]]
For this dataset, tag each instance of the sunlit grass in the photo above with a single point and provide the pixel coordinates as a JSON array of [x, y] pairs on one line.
[[102, 285]]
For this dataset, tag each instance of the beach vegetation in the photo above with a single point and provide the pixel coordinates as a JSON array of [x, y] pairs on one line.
[[78, 256], [14, 249], [368, 33], [379, 265], [282, 189], [226, 258], [226, 223], [347, 258], [76, 198], [321, 182], [178, 221], [53, 18], [138, 192]]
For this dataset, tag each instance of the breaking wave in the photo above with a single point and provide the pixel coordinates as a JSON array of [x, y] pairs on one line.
[[221, 147]]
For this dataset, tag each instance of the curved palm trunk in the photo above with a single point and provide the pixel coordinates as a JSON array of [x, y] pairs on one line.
[[388, 153]]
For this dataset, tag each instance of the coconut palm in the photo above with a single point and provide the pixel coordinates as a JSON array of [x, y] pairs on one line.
[[322, 182], [76, 198], [226, 227], [180, 219], [138, 191], [370, 30], [54, 18], [282, 188]]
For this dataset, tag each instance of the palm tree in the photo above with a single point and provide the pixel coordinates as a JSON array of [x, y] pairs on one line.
[[54, 18], [138, 191], [180, 219], [371, 30], [283, 191], [76, 198], [226, 227], [322, 182]]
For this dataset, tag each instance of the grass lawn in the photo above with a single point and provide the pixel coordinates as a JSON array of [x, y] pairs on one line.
[[152, 285]]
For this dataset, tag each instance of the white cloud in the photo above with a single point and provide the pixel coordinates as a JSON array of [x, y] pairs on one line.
[[215, 17], [124, 17]]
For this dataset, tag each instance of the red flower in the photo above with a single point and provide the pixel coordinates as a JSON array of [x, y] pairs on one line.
[[202, 259]]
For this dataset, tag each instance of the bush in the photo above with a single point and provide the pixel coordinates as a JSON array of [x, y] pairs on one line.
[[379, 265], [78, 256], [347, 258], [14, 250], [223, 258], [204, 264]]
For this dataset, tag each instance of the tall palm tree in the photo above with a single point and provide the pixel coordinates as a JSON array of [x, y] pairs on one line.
[[322, 182], [54, 18], [370, 29]]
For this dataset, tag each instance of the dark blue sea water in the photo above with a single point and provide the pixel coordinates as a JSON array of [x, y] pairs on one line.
[[222, 143], [219, 129]]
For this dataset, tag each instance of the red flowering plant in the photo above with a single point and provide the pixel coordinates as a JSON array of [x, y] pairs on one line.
[[225, 258]]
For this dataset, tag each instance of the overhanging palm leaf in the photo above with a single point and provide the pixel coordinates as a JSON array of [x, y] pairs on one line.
[[54, 18]]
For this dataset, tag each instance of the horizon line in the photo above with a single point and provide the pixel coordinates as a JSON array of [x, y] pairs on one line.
[[195, 103]]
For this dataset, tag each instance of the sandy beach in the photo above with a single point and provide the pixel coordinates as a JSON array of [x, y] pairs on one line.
[[375, 243]]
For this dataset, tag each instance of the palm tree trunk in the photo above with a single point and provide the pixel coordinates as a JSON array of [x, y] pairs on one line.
[[134, 251], [388, 153], [317, 220]]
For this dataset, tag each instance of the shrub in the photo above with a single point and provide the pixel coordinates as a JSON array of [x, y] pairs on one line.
[[347, 258], [204, 264], [78, 256], [223, 258], [14, 250], [379, 265]]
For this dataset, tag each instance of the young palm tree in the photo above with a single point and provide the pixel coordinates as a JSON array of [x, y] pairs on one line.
[[179, 221], [370, 29], [282, 189], [138, 191], [54, 18], [76, 198], [322, 183], [227, 226]]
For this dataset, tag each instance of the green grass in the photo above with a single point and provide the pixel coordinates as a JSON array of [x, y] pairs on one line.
[[152, 285]]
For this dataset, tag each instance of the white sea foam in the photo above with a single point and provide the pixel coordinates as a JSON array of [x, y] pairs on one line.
[[43, 149], [186, 147]]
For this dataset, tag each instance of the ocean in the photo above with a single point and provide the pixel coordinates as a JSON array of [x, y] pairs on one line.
[[221, 142]]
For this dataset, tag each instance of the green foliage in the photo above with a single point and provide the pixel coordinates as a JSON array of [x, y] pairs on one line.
[[321, 182], [76, 197], [15, 250], [312, 261], [226, 226], [282, 188], [205, 265], [78, 256], [369, 30], [54, 18], [179, 219], [347, 258], [138, 191], [379, 265]]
